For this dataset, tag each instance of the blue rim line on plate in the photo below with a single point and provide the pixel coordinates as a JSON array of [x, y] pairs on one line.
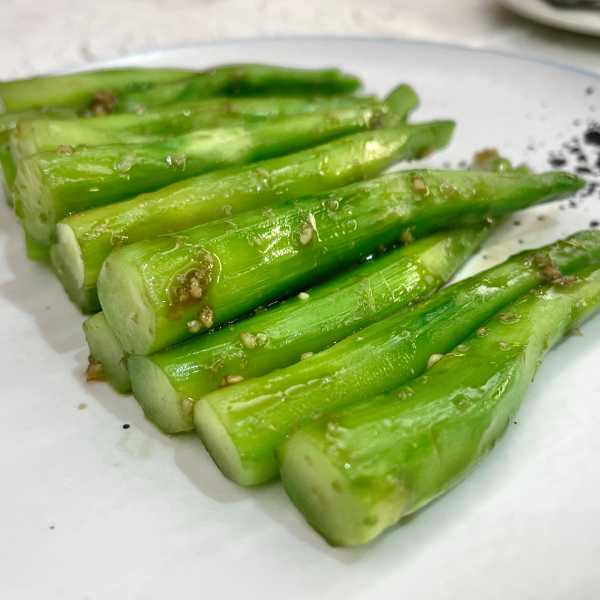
[[337, 39]]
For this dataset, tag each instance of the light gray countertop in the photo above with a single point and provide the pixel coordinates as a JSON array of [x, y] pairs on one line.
[[38, 36]]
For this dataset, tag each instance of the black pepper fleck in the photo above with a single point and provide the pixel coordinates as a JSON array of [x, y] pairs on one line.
[[126, 426], [557, 161], [589, 190], [592, 134], [594, 223]]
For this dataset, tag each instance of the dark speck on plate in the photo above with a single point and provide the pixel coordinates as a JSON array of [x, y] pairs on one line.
[[592, 135], [126, 426], [590, 189], [557, 161], [594, 223]]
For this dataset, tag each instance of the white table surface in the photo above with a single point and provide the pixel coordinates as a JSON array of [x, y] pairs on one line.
[[38, 36]]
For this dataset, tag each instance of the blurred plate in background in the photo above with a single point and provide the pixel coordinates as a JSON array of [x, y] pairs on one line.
[[578, 20]]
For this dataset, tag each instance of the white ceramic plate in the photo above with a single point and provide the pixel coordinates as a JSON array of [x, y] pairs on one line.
[[91, 510], [580, 21]]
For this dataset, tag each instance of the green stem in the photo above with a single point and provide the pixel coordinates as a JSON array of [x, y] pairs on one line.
[[107, 359], [168, 383], [234, 80], [53, 185], [86, 239], [243, 424], [8, 172], [159, 292], [78, 90], [402, 101], [9, 121], [38, 134], [36, 251], [358, 471]]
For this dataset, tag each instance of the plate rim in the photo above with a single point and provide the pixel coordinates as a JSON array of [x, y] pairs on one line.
[[534, 59], [550, 17]]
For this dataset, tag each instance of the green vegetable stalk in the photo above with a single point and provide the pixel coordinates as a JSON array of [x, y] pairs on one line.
[[107, 360], [8, 172], [52, 185], [88, 89], [401, 101], [159, 292], [166, 384], [358, 471], [33, 137], [9, 121], [34, 250], [235, 80], [243, 424], [87, 238], [42, 134]]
